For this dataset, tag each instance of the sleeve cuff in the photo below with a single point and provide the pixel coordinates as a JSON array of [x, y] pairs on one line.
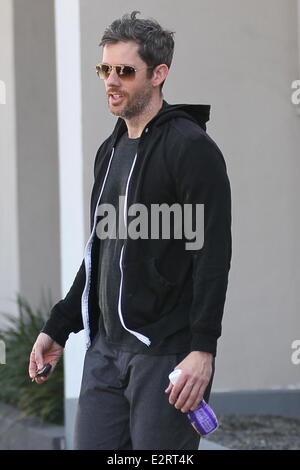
[[201, 342], [59, 336]]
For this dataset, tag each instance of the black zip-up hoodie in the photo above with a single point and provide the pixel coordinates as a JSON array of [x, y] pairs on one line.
[[164, 287]]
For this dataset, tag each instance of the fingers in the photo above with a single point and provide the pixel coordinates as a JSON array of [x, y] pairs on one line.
[[45, 351], [38, 352], [36, 360], [187, 396], [35, 363], [32, 365], [198, 399], [41, 374], [40, 380], [176, 389]]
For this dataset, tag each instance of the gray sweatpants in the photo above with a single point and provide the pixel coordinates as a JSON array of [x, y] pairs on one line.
[[123, 406]]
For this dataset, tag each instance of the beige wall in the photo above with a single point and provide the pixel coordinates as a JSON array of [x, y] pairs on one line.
[[29, 202], [9, 256], [240, 57], [37, 148]]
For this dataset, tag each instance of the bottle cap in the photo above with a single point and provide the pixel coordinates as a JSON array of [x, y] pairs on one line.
[[174, 375]]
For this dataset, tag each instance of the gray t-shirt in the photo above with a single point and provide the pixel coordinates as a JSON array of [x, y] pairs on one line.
[[110, 248]]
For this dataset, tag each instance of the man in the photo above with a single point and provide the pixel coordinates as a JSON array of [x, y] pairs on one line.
[[148, 304]]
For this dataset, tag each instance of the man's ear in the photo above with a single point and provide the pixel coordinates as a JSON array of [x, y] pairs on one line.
[[159, 74]]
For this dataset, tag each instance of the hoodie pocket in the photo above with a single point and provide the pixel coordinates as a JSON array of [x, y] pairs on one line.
[[146, 294]]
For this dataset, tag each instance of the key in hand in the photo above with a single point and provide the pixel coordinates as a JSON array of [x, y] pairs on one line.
[[43, 372]]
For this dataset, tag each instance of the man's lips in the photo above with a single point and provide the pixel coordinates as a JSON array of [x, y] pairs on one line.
[[115, 98]]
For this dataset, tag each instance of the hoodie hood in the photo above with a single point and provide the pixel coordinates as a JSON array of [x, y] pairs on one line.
[[198, 113]]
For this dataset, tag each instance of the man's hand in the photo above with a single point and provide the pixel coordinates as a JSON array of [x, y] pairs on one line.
[[45, 350], [190, 386]]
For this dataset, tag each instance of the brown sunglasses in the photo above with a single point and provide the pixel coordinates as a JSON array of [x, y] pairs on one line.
[[123, 71]]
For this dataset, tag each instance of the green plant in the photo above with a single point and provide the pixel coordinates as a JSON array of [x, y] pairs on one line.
[[45, 400]]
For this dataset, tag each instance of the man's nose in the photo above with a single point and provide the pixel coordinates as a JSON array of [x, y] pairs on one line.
[[113, 79]]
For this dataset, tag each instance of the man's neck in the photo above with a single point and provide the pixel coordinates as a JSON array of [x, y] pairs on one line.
[[137, 124]]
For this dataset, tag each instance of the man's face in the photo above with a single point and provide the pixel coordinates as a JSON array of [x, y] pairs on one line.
[[127, 98]]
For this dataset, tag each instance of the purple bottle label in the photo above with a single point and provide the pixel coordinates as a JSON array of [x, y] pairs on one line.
[[203, 419]]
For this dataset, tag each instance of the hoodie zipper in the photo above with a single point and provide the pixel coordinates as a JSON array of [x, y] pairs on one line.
[[88, 266]]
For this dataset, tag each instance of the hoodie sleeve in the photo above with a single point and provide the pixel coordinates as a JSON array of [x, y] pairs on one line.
[[200, 176], [65, 316]]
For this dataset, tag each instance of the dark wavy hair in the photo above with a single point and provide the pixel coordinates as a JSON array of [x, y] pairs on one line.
[[156, 45]]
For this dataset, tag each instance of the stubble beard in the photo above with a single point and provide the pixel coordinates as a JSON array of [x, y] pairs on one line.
[[135, 105]]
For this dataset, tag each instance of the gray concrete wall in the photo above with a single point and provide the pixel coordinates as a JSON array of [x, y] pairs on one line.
[[37, 148], [9, 255], [240, 57]]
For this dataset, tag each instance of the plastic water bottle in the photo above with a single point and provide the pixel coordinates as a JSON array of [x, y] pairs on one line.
[[203, 419]]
